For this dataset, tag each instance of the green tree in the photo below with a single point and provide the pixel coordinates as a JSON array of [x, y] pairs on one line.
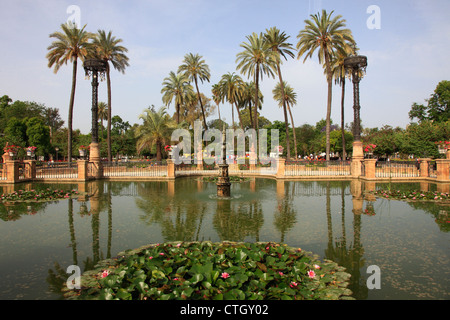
[[38, 135], [328, 36], [195, 68], [156, 130], [70, 44], [437, 108], [176, 88], [277, 41], [109, 48], [288, 98], [102, 113], [231, 86], [255, 61]]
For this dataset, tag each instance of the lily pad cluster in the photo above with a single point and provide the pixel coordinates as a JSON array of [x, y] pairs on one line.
[[412, 195], [214, 271], [37, 195]]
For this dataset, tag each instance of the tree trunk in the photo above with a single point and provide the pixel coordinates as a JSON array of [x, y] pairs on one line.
[[70, 118], [344, 152], [255, 120], [108, 131], [158, 150], [286, 123], [328, 122], [293, 130], [239, 115], [201, 104], [178, 113]]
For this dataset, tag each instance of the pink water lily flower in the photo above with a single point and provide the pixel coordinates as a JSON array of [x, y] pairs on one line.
[[311, 274], [105, 273], [225, 275]]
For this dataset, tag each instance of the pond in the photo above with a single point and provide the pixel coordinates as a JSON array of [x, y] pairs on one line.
[[409, 242]]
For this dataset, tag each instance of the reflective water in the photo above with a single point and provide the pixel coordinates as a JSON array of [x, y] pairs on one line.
[[408, 242]]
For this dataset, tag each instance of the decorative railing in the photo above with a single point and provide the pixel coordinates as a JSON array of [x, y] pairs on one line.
[[396, 169], [134, 169], [57, 170], [317, 168]]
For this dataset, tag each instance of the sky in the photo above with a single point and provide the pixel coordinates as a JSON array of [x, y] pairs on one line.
[[406, 43]]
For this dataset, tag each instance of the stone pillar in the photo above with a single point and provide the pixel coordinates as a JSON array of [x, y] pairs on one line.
[[281, 165], [82, 169], [30, 169], [12, 171], [357, 158], [423, 167], [170, 169], [447, 154], [94, 157], [442, 170], [357, 197], [369, 165]]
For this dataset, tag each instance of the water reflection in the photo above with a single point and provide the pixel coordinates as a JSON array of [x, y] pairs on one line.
[[315, 215]]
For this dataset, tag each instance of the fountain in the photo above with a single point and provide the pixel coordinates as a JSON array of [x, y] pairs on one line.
[[223, 182]]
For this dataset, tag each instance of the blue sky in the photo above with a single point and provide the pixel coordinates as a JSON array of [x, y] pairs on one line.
[[407, 56]]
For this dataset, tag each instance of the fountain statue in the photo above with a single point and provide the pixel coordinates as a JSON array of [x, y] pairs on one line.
[[223, 182]]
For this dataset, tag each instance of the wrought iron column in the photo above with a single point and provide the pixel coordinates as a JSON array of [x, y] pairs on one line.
[[95, 68]]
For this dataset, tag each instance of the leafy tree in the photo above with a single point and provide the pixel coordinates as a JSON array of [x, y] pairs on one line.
[[176, 88], [109, 48], [328, 36], [16, 132], [70, 44], [38, 135], [277, 41], [156, 130], [231, 86], [288, 98], [437, 108], [255, 61], [196, 69]]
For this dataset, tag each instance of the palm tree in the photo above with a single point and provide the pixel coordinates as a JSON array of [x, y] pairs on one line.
[[102, 113], [247, 96], [329, 36], [256, 60], [277, 41], [108, 48], [70, 44], [232, 86], [156, 130], [217, 96], [289, 98], [196, 69], [176, 87]]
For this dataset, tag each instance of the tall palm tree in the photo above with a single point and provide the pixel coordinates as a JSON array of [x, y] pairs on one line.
[[339, 74], [328, 36], [156, 130], [102, 113], [232, 86], [196, 69], [176, 87], [217, 96], [256, 60], [247, 96], [289, 98], [109, 48], [277, 41], [71, 43]]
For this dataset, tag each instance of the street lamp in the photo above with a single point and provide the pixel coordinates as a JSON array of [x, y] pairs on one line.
[[356, 65], [56, 149], [95, 68]]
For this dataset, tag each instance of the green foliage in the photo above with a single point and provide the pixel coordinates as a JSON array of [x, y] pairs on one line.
[[437, 108], [209, 271], [411, 195]]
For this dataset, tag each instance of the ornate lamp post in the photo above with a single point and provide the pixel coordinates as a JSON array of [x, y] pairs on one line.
[[95, 68], [356, 67]]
